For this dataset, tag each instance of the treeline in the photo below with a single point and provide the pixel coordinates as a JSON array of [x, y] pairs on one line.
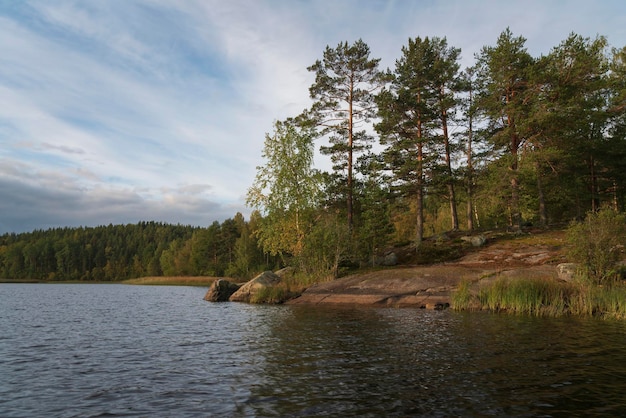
[[118, 252], [511, 141]]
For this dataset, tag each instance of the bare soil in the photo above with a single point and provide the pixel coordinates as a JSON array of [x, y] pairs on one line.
[[531, 254]]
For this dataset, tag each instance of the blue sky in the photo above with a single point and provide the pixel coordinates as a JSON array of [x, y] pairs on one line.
[[117, 111]]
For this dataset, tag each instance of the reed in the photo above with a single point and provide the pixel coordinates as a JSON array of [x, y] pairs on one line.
[[543, 297], [173, 281], [463, 299]]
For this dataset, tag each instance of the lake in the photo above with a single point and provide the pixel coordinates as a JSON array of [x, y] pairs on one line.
[[71, 350]]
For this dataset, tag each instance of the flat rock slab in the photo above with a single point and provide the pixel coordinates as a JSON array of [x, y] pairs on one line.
[[421, 287]]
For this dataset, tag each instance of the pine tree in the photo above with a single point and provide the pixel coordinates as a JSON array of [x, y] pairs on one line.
[[408, 114], [503, 73], [345, 82]]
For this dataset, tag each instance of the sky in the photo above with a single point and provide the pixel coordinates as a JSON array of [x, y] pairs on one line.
[[121, 111]]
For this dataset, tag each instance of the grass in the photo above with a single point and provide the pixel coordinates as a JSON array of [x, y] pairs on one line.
[[543, 297], [173, 281], [290, 286], [154, 280]]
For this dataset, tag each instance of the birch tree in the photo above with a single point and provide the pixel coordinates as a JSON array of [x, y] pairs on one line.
[[285, 189]]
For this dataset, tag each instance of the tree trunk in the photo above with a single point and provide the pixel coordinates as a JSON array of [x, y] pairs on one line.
[[419, 234], [516, 216], [543, 217], [451, 195], [350, 156], [470, 165], [595, 205]]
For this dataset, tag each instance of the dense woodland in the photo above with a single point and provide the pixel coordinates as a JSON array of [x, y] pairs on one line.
[[416, 150]]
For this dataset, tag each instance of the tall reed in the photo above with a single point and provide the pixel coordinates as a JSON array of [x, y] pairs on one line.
[[543, 297]]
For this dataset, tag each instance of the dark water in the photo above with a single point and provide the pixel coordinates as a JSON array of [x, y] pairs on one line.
[[113, 350]]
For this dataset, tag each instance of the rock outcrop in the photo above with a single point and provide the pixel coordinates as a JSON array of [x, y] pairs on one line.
[[221, 290], [567, 271], [431, 286], [476, 240], [248, 291]]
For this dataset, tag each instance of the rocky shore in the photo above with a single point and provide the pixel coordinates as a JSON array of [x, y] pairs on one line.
[[430, 286]]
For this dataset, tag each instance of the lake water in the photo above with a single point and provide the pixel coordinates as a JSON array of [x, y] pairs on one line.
[[115, 350]]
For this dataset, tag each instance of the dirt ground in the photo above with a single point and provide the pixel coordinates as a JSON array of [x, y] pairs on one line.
[[532, 254]]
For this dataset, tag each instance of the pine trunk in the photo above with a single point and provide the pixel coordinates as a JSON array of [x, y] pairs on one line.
[[350, 156], [454, 218], [543, 216]]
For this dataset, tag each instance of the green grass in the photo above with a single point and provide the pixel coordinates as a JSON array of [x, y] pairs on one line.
[[290, 286], [543, 297], [172, 281]]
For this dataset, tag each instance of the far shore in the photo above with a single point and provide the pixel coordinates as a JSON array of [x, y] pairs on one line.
[[201, 281]]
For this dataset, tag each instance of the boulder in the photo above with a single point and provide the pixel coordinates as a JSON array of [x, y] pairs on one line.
[[567, 271], [390, 259], [248, 291], [285, 272], [221, 290], [476, 241]]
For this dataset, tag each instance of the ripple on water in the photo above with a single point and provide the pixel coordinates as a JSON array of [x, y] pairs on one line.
[[98, 350]]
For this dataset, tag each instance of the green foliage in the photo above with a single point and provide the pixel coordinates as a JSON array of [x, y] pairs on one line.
[[597, 244], [375, 228], [113, 252], [503, 74], [343, 93], [272, 295], [119, 252], [286, 188], [544, 139], [326, 246]]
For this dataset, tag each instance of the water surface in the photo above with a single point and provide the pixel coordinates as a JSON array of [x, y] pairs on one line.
[[115, 350]]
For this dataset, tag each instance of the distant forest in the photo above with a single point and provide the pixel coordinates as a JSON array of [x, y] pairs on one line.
[[118, 252], [512, 141]]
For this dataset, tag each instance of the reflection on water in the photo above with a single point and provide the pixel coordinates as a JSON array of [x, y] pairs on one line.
[[89, 350], [368, 362]]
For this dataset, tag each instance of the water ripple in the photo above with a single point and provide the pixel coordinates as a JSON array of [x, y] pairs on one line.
[[112, 350]]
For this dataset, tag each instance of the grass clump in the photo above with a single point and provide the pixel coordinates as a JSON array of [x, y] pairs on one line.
[[291, 285], [463, 299], [172, 281], [543, 297], [536, 297]]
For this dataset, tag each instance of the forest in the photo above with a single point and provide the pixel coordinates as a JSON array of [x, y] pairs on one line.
[[416, 151]]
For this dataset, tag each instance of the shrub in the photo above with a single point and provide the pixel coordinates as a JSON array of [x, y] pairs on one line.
[[597, 244]]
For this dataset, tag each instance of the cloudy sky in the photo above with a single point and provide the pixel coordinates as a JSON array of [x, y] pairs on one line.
[[117, 111]]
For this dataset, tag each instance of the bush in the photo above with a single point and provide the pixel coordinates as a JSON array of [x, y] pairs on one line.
[[597, 244]]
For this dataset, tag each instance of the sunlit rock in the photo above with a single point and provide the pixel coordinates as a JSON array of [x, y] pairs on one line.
[[566, 271], [476, 240], [248, 291], [221, 290]]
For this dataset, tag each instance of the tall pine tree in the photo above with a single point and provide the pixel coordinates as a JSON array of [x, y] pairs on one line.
[[345, 82]]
